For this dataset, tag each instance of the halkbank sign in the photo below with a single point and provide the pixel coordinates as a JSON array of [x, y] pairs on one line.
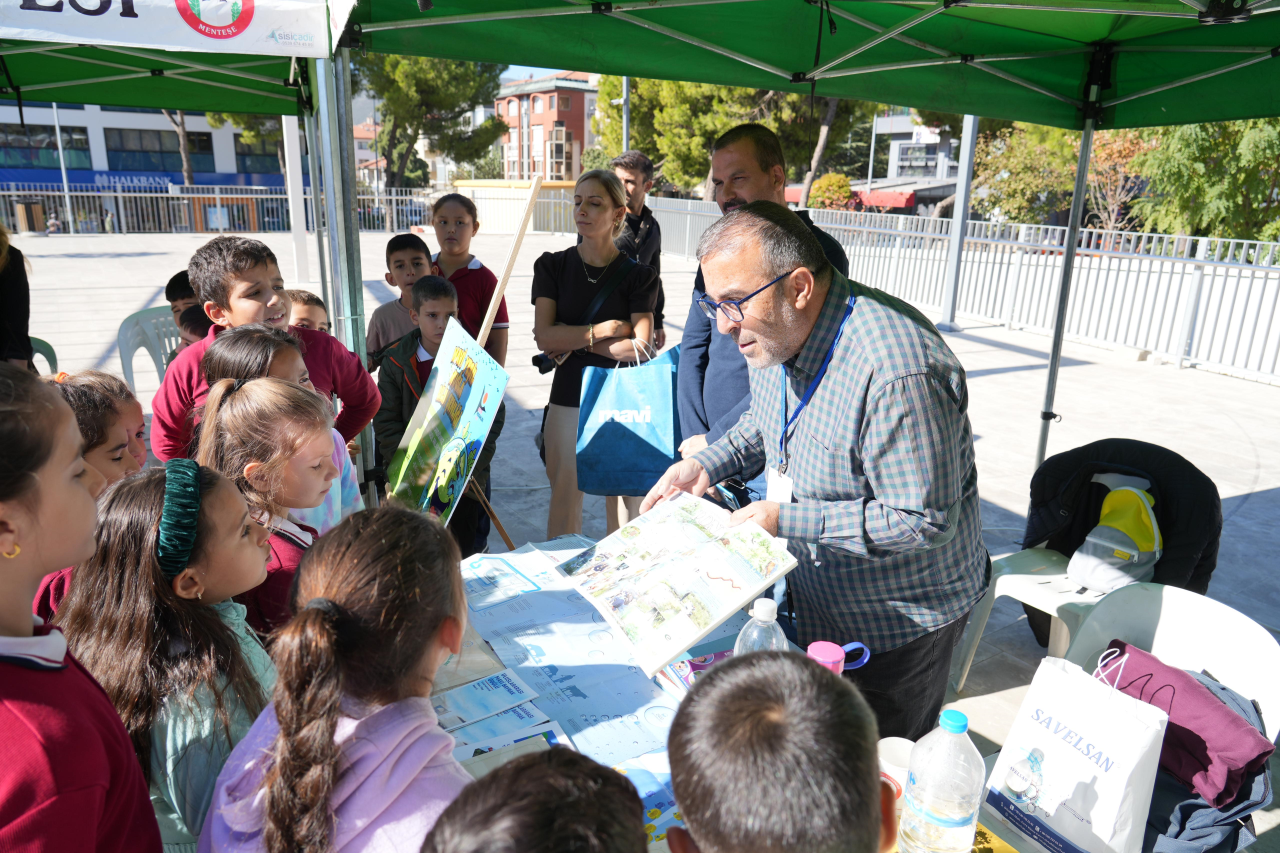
[[271, 27]]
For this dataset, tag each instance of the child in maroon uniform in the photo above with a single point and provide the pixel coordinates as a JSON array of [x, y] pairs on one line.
[[70, 780], [454, 218], [274, 440], [239, 282]]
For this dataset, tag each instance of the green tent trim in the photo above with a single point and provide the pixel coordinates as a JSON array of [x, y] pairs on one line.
[[1157, 61]]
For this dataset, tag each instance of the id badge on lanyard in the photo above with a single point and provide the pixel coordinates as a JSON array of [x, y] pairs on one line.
[[779, 485]]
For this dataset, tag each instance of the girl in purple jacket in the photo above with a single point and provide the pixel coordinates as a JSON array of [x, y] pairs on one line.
[[379, 606]]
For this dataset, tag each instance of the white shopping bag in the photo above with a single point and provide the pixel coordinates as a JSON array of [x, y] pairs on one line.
[[1078, 767]]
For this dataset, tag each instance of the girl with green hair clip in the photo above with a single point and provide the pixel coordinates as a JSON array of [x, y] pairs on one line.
[[150, 615]]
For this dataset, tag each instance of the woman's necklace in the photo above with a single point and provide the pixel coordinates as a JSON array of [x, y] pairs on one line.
[[602, 272]]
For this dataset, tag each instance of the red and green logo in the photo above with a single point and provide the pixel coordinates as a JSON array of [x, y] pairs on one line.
[[217, 19]]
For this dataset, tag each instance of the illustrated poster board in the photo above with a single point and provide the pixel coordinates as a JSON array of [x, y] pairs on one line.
[[673, 575], [433, 464]]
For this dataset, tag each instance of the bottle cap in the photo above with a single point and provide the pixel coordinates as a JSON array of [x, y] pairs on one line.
[[765, 609], [829, 655], [954, 722]]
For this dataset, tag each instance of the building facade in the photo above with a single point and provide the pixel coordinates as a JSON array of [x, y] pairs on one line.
[[550, 125], [110, 146]]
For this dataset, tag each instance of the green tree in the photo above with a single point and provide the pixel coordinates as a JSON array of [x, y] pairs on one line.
[[953, 123], [431, 99], [832, 190], [1216, 180], [487, 168], [253, 130], [595, 158], [848, 155], [678, 121], [1024, 173]]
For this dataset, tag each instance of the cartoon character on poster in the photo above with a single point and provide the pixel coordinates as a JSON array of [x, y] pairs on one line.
[[456, 462], [431, 468]]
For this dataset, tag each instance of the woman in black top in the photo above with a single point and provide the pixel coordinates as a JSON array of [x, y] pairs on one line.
[[564, 286], [15, 304]]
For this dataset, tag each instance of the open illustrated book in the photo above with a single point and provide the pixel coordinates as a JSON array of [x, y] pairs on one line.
[[674, 574]]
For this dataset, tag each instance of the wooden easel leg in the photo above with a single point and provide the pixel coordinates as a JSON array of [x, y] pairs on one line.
[[478, 494]]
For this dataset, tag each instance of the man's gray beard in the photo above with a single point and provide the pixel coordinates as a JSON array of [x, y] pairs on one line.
[[786, 339]]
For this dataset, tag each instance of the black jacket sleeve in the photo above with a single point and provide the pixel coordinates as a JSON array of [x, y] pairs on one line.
[[15, 308]]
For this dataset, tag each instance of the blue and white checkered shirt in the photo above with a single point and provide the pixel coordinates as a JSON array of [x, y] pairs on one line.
[[885, 520]]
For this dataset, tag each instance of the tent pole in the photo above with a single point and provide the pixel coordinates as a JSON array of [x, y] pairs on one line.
[[626, 113], [293, 190], [339, 198], [959, 224], [317, 186], [1064, 285], [338, 134], [62, 162]]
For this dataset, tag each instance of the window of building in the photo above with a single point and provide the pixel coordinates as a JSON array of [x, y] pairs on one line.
[[498, 109], [12, 102], [917, 160], [537, 104], [132, 110], [513, 108], [259, 157], [551, 102], [156, 150], [35, 147], [564, 102], [361, 144]]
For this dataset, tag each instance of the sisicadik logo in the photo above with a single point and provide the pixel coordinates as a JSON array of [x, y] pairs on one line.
[[625, 416], [216, 19], [284, 37]]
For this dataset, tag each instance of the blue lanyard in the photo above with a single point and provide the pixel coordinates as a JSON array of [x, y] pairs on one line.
[[787, 423]]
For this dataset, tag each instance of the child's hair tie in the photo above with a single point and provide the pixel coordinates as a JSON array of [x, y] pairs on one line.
[[179, 518], [327, 606], [61, 377], [237, 385]]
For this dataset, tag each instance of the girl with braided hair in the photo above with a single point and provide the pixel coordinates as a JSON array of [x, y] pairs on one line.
[[350, 755]]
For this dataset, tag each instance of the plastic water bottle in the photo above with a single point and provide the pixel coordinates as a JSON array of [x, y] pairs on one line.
[[762, 633], [944, 790]]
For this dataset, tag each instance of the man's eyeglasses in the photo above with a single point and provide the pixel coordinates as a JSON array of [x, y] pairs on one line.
[[732, 308]]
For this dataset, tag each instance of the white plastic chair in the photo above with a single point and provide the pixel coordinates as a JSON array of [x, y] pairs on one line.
[[1191, 632], [151, 329], [1038, 577]]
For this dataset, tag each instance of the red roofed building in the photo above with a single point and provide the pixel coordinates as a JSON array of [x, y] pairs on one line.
[[550, 122]]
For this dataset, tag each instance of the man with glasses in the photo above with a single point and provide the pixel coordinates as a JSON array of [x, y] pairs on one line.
[[859, 418], [713, 389]]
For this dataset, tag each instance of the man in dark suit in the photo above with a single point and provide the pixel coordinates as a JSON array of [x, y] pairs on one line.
[[713, 385]]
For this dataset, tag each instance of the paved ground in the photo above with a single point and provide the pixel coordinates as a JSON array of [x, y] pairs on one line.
[[84, 286]]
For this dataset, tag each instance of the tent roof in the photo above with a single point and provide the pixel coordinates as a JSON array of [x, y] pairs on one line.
[[1028, 60], [137, 77]]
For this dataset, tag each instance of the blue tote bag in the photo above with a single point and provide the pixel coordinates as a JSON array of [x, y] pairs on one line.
[[628, 429]]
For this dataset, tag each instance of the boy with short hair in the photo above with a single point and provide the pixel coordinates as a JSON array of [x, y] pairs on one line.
[[308, 311], [179, 294], [238, 281], [546, 802], [406, 367], [193, 326], [408, 259], [772, 752]]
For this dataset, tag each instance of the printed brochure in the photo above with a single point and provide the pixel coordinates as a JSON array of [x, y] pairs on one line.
[[480, 699], [671, 576]]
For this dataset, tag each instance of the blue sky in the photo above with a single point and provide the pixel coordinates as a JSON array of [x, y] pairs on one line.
[[521, 71]]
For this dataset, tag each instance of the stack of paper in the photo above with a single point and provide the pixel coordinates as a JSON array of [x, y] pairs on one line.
[[463, 706], [586, 677]]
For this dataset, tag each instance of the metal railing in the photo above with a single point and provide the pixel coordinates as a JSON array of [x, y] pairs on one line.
[[1199, 301], [145, 208]]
